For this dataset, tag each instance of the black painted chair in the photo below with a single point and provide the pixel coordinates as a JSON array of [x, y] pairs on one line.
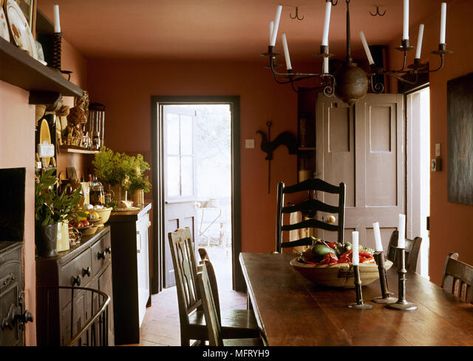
[[309, 207], [412, 251], [458, 278]]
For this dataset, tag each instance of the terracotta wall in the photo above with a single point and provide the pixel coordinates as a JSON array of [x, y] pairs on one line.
[[451, 227], [126, 87], [17, 144]]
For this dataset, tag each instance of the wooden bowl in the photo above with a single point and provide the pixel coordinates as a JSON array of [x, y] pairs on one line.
[[89, 230], [339, 275]]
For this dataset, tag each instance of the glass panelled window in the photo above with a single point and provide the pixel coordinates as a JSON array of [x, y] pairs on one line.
[[179, 157]]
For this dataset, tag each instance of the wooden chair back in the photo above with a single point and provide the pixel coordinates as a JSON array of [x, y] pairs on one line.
[[211, 317], [204, 257], [184, 270], [412, 251], [458, 278], [310, 207]]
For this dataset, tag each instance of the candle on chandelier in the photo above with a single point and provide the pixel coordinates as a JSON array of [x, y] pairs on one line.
[[277, 19], [401, 242], [57, 22], [443, 22], [328, 10], [377, 237], [271, 27], [287, 57], [325, 69], [420, 36], [405, 20], [355, 248], [366, 47]]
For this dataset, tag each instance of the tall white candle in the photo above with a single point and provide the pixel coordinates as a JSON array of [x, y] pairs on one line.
[[366, 47], [405, 20], [325, 69], [287, 56], [57, 22], [443, 22], [271, 27], [277, 19], [401, 243], [420, 36], [355, 248], [328, 10], [377, 237]]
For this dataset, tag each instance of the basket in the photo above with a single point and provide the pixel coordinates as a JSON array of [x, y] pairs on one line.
[[338, 275]]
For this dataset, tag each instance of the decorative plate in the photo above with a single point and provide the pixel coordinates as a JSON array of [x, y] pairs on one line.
[[20, 29], [4, 33]]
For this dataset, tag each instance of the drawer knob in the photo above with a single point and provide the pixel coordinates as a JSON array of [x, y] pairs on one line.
[[101, 255], [108, 250], [75, 281], [86, 271]]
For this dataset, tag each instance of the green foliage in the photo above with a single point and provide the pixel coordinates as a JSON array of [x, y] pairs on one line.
[[122, 169], [52, 206], [138, 178]]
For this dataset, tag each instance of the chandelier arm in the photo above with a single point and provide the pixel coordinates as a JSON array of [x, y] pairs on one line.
[[399, 76], [441, 65], [376, 86]]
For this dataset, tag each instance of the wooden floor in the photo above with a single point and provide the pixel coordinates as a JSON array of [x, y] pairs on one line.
[[161, 323]]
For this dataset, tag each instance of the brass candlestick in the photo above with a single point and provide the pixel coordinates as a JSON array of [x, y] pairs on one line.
[[359, 305], [401, 303], [383, 281]]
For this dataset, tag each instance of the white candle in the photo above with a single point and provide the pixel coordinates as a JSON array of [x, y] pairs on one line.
[[366, 47], [420, 36], [401, 243], [287, 57], [328, 10], [355, 248], [325, 65], [271, 27], [405, 20], [57, 22], [377, 237], [277, 19], [443, 22]]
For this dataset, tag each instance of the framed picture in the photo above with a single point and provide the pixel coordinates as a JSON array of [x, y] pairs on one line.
[[460, 139], [29, 10]]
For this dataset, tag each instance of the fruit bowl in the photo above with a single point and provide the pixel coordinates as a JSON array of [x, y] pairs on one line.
[[337, 275], [89, 230], [104, 214]]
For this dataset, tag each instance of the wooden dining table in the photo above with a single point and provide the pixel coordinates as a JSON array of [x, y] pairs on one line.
[[292, 311]]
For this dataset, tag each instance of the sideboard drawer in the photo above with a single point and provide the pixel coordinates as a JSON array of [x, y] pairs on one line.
[[77, 272], [101, 254]]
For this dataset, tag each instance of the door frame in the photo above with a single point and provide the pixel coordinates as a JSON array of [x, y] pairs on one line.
[[157, 144]]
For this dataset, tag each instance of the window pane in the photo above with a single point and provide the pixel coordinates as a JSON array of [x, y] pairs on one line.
[[187, 176], [186, 134], [172, 134], [172, 176]]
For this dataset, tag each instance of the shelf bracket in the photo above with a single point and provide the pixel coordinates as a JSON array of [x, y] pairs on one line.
[[44, 97]]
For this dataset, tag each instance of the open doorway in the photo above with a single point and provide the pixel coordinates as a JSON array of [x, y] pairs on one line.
[[418, 172], [197, 163]]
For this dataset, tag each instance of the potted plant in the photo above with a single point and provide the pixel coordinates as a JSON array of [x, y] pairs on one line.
[[52, 211], [139, 181], [114, 169]]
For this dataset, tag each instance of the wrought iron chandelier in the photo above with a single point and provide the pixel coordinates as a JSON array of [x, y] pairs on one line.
[[350, 82]]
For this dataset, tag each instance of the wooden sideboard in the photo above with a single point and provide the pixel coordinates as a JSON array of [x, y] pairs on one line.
[[131, 282], [61, 314]]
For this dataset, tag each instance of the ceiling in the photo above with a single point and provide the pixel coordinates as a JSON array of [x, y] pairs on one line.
[[222, 29]]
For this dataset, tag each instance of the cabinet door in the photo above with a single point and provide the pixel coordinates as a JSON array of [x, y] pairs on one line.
[[363, 146], [143, 265], [105, 285]]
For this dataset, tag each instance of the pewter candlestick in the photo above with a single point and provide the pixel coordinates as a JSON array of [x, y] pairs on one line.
[[359, 305], [383, 282], [401, 304]]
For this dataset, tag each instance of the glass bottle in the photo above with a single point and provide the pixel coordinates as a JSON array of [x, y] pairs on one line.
[[97, 195]]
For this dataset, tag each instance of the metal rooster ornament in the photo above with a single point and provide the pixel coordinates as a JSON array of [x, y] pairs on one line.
[[269, 146]]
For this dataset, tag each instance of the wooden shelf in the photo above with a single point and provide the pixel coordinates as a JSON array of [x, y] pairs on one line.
[[74, 149], [20, 69]]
